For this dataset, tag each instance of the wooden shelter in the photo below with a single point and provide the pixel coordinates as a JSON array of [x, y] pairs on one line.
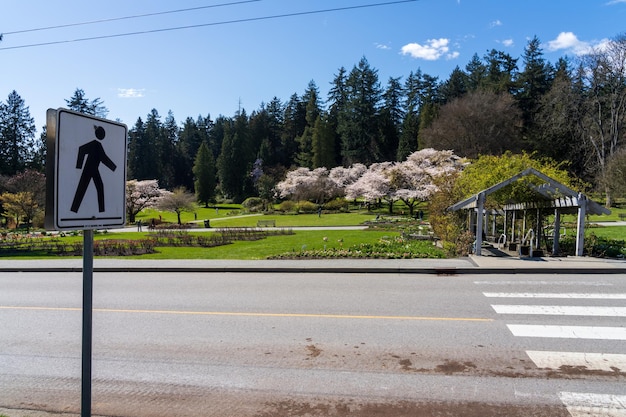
[[549, 196]]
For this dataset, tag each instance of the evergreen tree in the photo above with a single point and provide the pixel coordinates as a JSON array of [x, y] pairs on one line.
[[167, 151], [190, 137], [455, 86], [429, 97], [136, 145], [358, 123], [294, 124], [476, 73], [304, 157], [17, 135], [151, 154], [204, 172], [501, 73], [78, 102], [391, 117], [534, 82], [265, 128], [407, 142], [235, 160], [337, 97], [323, 144]]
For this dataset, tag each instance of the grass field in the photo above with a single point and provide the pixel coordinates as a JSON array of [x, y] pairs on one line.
[[232, 216]]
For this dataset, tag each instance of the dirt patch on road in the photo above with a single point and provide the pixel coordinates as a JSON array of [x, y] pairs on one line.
[[291, 408]]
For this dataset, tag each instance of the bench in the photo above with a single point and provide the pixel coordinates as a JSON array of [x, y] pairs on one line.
[[266, 223], [622, 216]]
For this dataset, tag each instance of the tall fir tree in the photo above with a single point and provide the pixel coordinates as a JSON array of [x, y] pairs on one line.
[[17, 135], [305, 140], [358, 123], [391, 117], [204, 174], [534, 82], [323, 143], [236, 159], [79, 103]]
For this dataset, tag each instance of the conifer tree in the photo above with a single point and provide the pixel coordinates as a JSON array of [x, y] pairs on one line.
[[17, 135], [204, 173]]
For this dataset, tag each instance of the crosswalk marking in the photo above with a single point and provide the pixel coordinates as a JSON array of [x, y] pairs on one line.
[[568, 332], [592, 361], [561, 310], [594, 405], [571, 295], [577, 404], [570, 283]]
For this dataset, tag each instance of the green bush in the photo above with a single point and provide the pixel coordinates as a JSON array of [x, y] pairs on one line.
[[338, 204], [596, 246], [253, 204], [307, 207], [287, 206]]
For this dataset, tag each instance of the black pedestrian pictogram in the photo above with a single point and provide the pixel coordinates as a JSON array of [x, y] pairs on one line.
[[95, 155]]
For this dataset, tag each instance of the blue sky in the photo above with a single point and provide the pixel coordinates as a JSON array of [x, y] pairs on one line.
[[216, 66]]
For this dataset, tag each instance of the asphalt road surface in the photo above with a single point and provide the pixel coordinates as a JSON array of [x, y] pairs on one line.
[[267, 344]]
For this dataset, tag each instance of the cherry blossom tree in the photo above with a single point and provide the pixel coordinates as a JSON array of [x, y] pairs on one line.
[[343, 176], [374, 185], [310, 185], [141, 195], [412, 180]]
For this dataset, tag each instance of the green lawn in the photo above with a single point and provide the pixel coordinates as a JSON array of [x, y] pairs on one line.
[[235, 218], [273, 245]]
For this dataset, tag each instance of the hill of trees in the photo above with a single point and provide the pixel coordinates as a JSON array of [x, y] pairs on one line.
[[572, 111]]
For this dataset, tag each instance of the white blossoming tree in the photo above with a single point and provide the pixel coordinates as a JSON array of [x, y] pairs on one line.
[[140, 195], [310, 185], [412, 180]]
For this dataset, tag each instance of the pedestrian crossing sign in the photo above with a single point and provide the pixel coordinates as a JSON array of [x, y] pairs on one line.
[[85, 171]]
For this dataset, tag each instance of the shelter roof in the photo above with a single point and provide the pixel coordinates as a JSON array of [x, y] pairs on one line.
[[550, 194]]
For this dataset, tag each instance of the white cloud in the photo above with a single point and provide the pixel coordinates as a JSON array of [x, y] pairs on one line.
[[431, 51], [615, 2], [495, 23], [130, 92], [569, 41], [382, 46], [508, 42]]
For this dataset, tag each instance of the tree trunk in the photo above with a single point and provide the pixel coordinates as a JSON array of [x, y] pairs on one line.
[[608, 203]]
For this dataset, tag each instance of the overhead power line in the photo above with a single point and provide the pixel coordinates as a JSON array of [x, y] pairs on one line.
[[224, 22], [114, 19]]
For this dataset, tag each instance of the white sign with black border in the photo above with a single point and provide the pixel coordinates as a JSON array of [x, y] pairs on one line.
[[88, 185]]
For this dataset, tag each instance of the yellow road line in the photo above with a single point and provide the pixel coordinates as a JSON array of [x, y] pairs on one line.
[[252, 314]]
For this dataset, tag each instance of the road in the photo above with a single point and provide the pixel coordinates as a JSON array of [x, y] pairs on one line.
[[323, 344]]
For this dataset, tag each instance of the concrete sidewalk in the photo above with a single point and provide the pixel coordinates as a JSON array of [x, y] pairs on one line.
[[469, 265]]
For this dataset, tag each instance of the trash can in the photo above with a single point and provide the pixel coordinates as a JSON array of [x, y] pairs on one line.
[[207, 223]]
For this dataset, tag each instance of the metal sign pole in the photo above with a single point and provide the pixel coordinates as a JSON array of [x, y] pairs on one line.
[[85, 404]]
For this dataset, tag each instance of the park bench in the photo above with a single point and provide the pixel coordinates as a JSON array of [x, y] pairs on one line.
[[622, 216], [266, 223]]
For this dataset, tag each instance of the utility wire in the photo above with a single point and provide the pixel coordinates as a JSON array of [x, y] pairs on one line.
[[225, 22], [114, 19]]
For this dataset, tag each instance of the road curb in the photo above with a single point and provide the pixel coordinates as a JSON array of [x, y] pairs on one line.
[[444, 271]]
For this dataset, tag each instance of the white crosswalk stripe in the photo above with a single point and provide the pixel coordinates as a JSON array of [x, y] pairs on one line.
[[583, 296], [593, 361], [578, 404], [568, 332], [561, 310], [594, 405]]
